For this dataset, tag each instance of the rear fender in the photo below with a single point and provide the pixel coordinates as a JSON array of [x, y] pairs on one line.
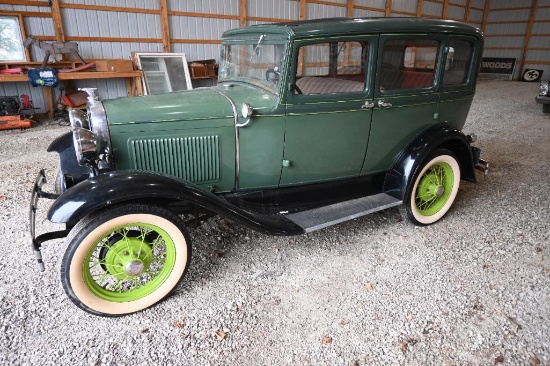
[[442, 135], [105, 190]]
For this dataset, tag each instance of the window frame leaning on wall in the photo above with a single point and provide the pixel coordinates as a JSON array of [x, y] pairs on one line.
[[18, 43]]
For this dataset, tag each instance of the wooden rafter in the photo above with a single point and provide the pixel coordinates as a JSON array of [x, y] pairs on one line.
[[485, 15], [387, 10], [528, 35], [419, 8], [243, 13], [467, 11], [445, 12], [57, 22], [166, 45]]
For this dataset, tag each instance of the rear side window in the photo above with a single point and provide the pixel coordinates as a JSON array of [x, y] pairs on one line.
[[457, 65], [408, 64]]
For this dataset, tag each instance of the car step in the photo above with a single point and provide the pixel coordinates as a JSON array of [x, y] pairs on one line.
[[319, 218]]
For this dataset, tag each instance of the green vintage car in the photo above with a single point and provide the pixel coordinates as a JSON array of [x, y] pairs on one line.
[[312, 123]]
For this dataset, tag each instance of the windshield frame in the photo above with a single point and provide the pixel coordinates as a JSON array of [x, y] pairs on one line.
[[254, 42]]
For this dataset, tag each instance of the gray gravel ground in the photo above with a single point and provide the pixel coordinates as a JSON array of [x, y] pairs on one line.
[[471, 289]]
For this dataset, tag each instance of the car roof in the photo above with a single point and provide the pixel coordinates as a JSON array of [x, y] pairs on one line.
[[343, 26]]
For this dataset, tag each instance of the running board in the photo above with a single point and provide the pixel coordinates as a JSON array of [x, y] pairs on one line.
[[322, 217]]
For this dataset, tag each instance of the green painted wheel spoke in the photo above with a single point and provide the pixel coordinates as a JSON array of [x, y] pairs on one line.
[[434, 189], [113, 254]]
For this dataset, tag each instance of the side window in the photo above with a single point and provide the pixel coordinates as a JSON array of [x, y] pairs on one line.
[[408, 64], [328, 68], [457, 65]]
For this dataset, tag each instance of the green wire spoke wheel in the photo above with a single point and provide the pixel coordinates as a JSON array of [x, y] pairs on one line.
[[434, 189], [125, 259]]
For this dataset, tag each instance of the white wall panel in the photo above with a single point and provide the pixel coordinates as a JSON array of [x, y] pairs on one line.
[[274, 9], [456, 12], [478, 3], [107, 88], [41, 9], [404, 5], [503, 42], [543, 14], [228, 7], [541, 41], [537, 55], [508, 15], [199, 28], [380, 4], [509, 28], [317, 11], [476, 16], [433, 9], [90, 23], [138, 4], [194, 52], [367, 13], [502, 4]]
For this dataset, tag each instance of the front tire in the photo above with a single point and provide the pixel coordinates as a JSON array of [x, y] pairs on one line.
[[125, 259], [434, 188], [546, 108]]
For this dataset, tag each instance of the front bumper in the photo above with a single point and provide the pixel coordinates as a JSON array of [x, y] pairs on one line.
[[541, 99], [36, 242]]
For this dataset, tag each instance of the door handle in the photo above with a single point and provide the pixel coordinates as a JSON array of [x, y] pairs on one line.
[[384, 104], [368, 105]]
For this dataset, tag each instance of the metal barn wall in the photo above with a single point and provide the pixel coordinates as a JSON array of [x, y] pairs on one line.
[[519, 29], [115, 29]]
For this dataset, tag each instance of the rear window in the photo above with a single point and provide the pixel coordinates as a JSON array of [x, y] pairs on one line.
[[408, 64]]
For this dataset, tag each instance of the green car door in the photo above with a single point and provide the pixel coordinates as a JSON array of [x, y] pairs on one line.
[[328, 109], [406, 95]]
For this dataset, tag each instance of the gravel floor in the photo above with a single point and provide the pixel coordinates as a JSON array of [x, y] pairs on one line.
[[471, 289]]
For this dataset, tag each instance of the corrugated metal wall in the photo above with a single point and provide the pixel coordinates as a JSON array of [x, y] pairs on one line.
[[139, 27]]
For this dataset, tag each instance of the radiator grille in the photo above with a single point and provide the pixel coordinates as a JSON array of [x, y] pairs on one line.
[[196, 159]]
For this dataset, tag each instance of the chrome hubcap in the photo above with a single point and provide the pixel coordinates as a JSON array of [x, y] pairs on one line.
[[134, 268], [439, 191]]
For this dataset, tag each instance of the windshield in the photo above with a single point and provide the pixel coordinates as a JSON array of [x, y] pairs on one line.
[[257, 61]]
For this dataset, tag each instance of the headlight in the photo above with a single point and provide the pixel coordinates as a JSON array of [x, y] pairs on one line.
[[78, 119], [543, 88], [85, 146], [91, 138]]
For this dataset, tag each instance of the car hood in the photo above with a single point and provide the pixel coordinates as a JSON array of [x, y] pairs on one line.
[[197, 104]]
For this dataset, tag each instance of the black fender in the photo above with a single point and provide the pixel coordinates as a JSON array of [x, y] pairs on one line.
[[441, 135], [108, 189], [71, 171]]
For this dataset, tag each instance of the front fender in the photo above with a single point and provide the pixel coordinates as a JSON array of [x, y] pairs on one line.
[[71, 171], [118, 187], [441, 135]]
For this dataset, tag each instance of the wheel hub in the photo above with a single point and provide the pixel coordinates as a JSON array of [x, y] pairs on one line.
[[134, 268], [128, 257], [439, 191]]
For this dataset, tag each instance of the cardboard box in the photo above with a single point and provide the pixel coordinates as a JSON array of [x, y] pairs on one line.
[[115, 65]]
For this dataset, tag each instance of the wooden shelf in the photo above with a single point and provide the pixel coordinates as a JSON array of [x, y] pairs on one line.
[[133, 80]]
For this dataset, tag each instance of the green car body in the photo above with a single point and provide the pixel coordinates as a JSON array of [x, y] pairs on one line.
[[311, 123]]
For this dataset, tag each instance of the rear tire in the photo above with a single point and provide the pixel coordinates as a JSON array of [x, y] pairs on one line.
[[546, 108], [125, 259], [434, 188]]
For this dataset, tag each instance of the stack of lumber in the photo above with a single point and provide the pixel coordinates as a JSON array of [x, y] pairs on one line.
[[10, 122]]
